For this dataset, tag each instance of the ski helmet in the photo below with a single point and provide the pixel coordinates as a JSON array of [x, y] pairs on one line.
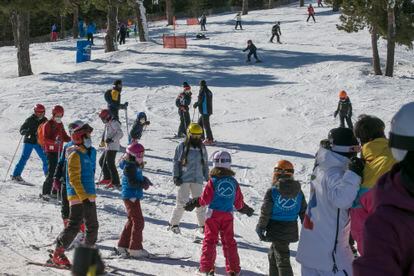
[[105, 114], [343, 95], [402, 132], [368, 128], [203, 83], [117, 83], [343, 141], [141, 115], [221, 159], [73, 125], [80, 132], [58, 110], [185, 84], [39, 108], [283, 167], [137, 150], [194, 129], [249, 41]]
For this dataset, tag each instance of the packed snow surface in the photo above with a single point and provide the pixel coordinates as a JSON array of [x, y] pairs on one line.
[[278, 109]]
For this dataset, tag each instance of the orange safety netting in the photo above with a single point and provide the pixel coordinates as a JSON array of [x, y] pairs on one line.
[[192, 21], [172, 41]]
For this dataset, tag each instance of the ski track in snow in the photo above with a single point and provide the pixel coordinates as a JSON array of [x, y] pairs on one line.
[[280, 108]]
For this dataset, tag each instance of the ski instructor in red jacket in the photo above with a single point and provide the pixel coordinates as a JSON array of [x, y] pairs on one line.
[[54, 137]]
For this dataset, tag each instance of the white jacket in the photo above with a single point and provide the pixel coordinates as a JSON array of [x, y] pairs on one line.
[[114, 132], [333, 186]]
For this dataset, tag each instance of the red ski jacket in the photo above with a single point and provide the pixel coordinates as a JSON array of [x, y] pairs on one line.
[[311, 10], [55, 136]]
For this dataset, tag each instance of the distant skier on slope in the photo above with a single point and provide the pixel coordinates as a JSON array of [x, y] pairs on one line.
[[113, 99], [276, 32], [203, 22], [238, 18], [311, 13], [222, 194], [344, 110], [138, 127], [182, 102], [252, 51]]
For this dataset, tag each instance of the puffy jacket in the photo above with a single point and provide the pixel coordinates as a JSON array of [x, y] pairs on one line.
[[344, 108], [55, 135], [252, 48], [91, 29], [114, 132], [291, 199], [80, 179], [205, 101], [137, 127], [132, 180], [276, 29], [183, 100], [29, 129], [190, 164], [333, 189], [113, 98], [311, 10], [388, 243]]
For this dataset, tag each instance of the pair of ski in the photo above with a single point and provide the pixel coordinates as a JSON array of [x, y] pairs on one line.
[[151, 256]]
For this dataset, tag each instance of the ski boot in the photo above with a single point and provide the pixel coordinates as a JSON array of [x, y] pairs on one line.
[[59, 258], [17, 178], [174, 228], [142, 253], [232, 273], [104, 182], [121, 252]]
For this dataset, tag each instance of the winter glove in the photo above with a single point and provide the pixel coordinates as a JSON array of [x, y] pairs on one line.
[[189, 206], [147, 123], [246, 210], [357, 166], [108, 140], [146, 183], [261, 233], [195, 105], [102, 144], [177, 181], [335, 114], [123, 106], [57, 184]]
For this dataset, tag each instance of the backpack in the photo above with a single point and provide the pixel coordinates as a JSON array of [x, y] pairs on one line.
[[41, 134]]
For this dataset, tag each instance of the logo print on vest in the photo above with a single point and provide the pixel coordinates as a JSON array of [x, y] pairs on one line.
[[287, 203], [225, 188]]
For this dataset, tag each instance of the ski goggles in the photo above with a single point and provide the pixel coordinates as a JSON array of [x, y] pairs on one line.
[[279, 171]]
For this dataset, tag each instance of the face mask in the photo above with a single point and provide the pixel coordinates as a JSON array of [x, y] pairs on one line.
[[58, 120], [87, 142], [399, 154]]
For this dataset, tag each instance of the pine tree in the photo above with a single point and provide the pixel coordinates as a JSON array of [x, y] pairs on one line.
[[245, 7]]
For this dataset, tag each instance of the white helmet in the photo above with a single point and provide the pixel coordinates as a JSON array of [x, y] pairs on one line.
[[402, 132], [221, 159]]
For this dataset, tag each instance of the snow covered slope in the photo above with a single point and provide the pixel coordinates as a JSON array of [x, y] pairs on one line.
[[280, 108]]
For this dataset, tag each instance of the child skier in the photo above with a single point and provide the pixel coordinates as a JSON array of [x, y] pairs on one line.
[[29, 130], [252, 51], [205, 108], [113, 99], [221, 193], [111, 141], [54, 135], [320, 4], [344, 109], [324, 240], [133, 182], [138, 127], [81, 195], [238, 21], [311, 13], [276, 32], [282, 205], [203, 22], [182, 101]]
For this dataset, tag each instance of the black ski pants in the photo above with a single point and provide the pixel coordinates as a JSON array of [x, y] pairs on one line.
[[184, 122], [203, 27], [90, 37], [64, 210], [320, 4], [109, 168], [52, 160], [238, 23], [204, 122], [311, 15], [122, 39], [279, 259], [79, 213], [348, 120], [250, 54], [277, 37]]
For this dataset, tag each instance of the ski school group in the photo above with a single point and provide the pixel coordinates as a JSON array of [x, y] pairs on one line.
[[367, 199]]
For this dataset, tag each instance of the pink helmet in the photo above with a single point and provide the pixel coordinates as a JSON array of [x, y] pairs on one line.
[[137, 150], [222, 159]]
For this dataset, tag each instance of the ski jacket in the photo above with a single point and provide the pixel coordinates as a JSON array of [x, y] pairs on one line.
[[137, 127], [80, 178], [91, 29], [311, 11], [182, 101], [205, 101], [222, 193], [55, 136], [29, 129], [203, 20], [282, 205], [113, 132], [132, 180], [378, 160], [113, 98], [238, 17], [333, 189], [344, 108], [190, 164], [54, 28], [123, 30], [388, 243], [252, 48], [276, 30]]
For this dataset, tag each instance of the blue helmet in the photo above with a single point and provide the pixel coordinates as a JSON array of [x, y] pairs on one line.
[[141, 115]]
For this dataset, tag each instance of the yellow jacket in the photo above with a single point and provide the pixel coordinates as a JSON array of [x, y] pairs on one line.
[[378, 160]]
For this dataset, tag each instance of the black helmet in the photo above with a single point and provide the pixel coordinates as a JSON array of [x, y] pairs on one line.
[[343, 141], [117, 82], [203, 83]]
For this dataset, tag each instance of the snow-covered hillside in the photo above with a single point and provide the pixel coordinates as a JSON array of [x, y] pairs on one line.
[[280, 108]]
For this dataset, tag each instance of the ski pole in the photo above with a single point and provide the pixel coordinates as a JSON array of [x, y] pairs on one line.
[[14, 155], [102, 167]]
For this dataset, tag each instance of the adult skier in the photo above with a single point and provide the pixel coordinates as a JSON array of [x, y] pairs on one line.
[[29, 130], [276, 32], [138, 127], [344, 110], [311, 13], [203, 22], [54, 137], [205, 107], [81, 195], [113, 99], [111, 141], [252, 51], [238, 18], [182, 102], [90, 30], [320, 4], [54, 33], [324, 240], [388, 245], [222, 194], [283, 204], [122, 34], [190, 170]]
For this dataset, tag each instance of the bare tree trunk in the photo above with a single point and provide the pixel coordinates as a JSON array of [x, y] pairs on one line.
[[302, 3], [140, 25], [75, 28], [335, 6], [270, 4], [62, 33], [13, 20], [110, 38], [245, 7], [389, 70], [22, 40], [375, 55], [169, 9]]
